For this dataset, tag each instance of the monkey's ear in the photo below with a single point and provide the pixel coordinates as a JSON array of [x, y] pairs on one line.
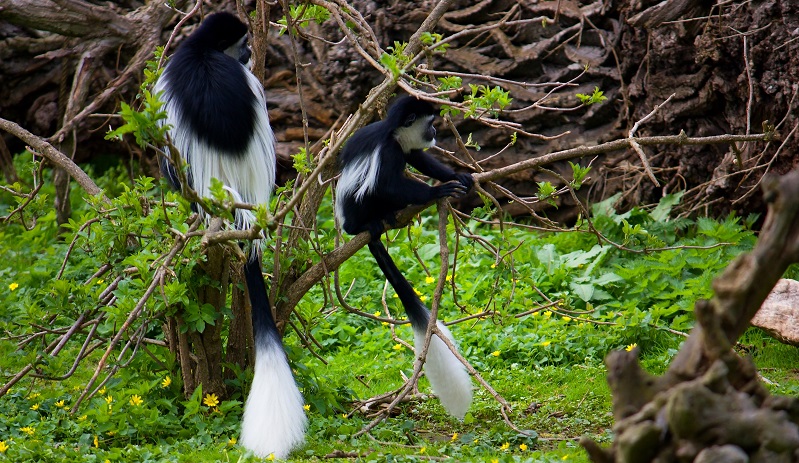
[[409, 120]]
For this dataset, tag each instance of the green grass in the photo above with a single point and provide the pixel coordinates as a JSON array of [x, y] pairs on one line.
[[547, 365]]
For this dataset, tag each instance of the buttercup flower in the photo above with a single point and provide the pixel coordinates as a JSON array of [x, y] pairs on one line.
[[211, 400], [136, 400], [13, 286], [166, 382]]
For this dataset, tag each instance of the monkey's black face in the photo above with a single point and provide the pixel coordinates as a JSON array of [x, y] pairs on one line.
[[240, 51]]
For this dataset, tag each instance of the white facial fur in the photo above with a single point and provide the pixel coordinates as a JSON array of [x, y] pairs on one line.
[[234, 51], [412, 138]]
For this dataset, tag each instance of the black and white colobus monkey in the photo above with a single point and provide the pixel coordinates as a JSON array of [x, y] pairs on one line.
[[217, 111], [373, 186]]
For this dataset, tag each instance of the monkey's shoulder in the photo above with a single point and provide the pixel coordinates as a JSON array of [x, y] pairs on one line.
[[375, 136]]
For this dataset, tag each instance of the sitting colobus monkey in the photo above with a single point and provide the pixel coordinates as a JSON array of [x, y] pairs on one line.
[[373, 186], [217, 111]]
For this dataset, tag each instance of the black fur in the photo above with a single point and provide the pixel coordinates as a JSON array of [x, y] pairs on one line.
[[210, 87], [394, 189]]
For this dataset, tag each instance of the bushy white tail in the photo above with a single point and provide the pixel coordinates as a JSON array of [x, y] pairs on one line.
[[447, 375], [274, 420]]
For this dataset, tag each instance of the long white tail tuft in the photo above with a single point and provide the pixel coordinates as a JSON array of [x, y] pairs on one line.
[[274, 420], [447, 375]]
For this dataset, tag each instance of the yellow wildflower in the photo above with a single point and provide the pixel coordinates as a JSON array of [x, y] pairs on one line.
[[429, 280], [35, 407], [523, 447], [111, 432], [423, 449], [418, 293], [60, 404], [107, 461], [13, 286], [547, 314], [232, 441], [33, 396], [495, 353], [631, 347], [423, 298], [29, 430], [566, 319], [505, 446], [136, 400], [449, 278], [546, 343], [166, 382], [384, 323], [100, 282], [344, 415], [101, 391], [3, 446], [495, 460], [109, 399], [565, 457], [377, 314], [306, 407], [82, 418], [396, 295], [271, 457], [96, 442], [211, 400], [397, 346], [454, 436], [493, 265]]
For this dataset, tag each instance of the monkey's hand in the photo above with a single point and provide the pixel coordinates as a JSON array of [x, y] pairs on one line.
[[453, 188], [465, 179]]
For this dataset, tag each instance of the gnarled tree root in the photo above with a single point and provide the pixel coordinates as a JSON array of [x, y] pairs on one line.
[[709, 406]]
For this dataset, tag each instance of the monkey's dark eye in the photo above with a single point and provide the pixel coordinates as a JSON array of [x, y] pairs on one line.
[[410, 120]]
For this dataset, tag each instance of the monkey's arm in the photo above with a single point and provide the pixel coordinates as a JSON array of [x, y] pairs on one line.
[[406, 191], [431, 167]]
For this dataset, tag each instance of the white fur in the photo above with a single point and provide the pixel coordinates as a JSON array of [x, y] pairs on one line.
[[274, 420], [412, 138], [447, 375], [249, 177], [357, 179]]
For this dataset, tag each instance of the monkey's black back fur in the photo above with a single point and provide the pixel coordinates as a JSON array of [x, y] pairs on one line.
[[210, 87]]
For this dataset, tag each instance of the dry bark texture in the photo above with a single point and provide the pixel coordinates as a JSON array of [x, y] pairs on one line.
[[694, 49]]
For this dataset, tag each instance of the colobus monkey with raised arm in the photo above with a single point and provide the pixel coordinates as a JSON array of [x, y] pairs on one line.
[[373, 186], [217, 110]]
